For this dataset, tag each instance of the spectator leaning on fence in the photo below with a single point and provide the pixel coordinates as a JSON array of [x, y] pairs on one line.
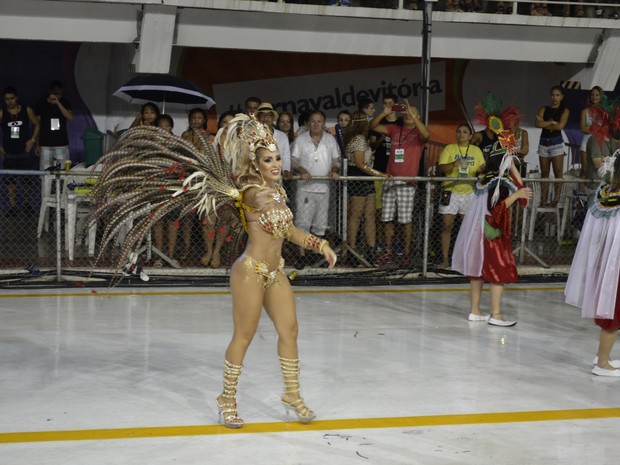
[[405, 155], [460, 160], [361, 194], [17, 144], [315, 153]]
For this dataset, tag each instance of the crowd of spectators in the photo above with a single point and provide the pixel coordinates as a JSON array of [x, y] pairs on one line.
[[573, 8], [33, 138], [379, 217]]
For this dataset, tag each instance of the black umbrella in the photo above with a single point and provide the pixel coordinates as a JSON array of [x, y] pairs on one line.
[[164, 89]]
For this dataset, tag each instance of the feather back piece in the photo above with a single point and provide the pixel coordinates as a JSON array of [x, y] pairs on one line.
[[149, 174]]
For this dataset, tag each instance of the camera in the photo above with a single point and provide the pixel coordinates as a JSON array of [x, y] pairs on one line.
[[398, 107]]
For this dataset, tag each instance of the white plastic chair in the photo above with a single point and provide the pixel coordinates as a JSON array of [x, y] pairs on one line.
[[78, 208], [49, 202], [561, 210]]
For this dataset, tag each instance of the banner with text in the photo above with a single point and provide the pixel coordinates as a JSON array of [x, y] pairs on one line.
[[333, 92]]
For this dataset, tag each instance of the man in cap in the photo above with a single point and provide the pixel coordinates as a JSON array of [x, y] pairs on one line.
[[268, 116]]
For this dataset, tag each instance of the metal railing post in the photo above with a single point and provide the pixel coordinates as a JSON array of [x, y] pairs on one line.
[[59, 230]]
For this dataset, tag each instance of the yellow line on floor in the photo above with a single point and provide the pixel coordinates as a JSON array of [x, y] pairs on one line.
[[324, 425], [92, 293]]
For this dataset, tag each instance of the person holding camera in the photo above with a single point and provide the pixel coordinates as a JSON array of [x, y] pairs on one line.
[[460, 160], [53, 113], [406, 152]]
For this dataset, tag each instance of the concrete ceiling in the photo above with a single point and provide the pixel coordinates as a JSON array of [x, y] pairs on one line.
[[155, 26]]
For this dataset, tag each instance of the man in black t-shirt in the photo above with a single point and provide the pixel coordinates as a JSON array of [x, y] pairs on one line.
[[53, 113], [17, 143], [484, 139], [383, 143]]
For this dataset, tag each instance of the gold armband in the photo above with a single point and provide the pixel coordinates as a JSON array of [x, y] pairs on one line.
[[311, 242], [373, 172]]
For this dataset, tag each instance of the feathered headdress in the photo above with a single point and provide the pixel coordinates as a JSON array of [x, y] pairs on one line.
[[246, 135], [489, 112], [149, 174], [243, 136]]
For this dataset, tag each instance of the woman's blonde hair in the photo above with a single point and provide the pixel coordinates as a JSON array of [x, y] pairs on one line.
[[247, 169], [357, 126]]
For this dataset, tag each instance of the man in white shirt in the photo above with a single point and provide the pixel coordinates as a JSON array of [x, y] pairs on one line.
[[268, 116], [314, 153]]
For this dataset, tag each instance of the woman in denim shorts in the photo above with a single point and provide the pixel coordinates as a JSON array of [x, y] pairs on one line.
[[552, 119]]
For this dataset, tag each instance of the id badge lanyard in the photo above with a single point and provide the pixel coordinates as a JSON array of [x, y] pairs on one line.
[[399, 151]]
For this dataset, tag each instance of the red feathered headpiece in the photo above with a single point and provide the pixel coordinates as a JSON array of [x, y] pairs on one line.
[[489, 113], [605, 120]]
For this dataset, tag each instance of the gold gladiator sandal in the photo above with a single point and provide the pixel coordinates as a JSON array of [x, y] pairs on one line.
[[290, 372], [227, 401]]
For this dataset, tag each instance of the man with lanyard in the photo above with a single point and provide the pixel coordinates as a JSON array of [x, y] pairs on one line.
[[407, 147], [17, 143]]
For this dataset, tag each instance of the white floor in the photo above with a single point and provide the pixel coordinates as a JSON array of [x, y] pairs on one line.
[[396, 374]]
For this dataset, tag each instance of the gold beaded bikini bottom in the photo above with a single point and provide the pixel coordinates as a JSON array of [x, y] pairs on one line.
[[265, 277]]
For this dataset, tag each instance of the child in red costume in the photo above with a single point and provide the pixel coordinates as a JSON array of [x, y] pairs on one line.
[[483, 249]]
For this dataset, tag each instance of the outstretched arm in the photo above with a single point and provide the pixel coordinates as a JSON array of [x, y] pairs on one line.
[[375, 125], [311, 242], [523, 193]]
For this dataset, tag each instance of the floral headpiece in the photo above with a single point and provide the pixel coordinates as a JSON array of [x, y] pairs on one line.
[[489, 113], [605, 120], [249, 131]]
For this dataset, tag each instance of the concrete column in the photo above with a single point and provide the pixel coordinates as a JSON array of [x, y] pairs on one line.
[[606, 69], [156, 37]]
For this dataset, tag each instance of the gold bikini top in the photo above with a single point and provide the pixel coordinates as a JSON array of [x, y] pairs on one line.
[[275, 217]]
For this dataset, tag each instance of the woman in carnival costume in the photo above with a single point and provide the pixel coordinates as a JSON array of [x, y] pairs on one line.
[[593, 280], [149, 173], [605, 140], [483, 249]]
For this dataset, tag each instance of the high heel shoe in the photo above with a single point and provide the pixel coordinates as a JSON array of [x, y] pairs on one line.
[[228, 409], [290, 372], [227, 413], [299, 408]]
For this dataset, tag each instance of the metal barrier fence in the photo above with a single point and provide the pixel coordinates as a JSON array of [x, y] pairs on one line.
[[44, 242]]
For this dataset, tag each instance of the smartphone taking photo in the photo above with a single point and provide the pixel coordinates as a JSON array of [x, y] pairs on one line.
[[399, 108]]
